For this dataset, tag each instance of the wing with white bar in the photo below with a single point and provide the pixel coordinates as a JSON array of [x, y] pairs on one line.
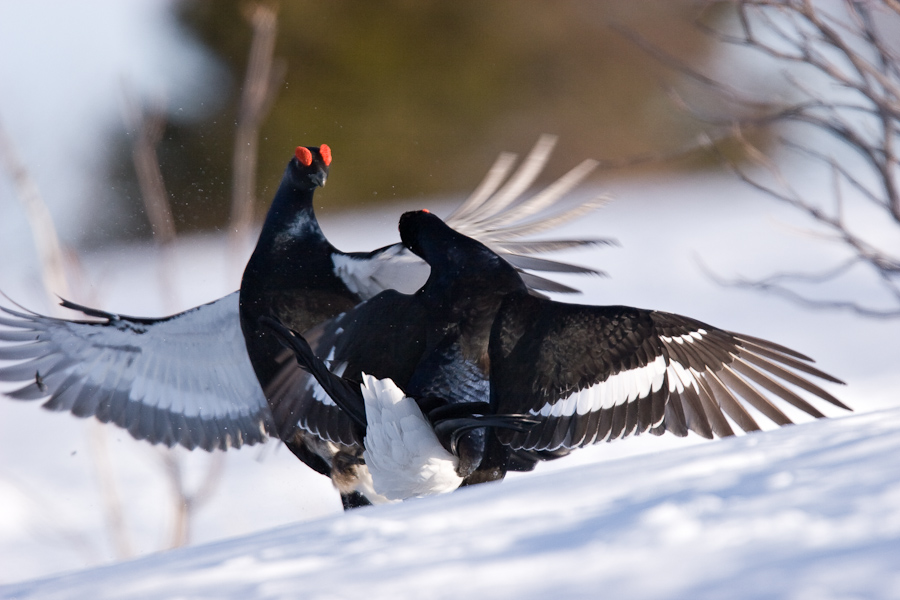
[[597, 373]]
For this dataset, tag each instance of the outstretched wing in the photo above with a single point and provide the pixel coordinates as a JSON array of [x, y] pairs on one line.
[[184, 379], [596, 373], [497, 216], [383, 336]]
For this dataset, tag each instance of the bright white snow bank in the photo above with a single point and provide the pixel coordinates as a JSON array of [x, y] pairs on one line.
[[811, 511]]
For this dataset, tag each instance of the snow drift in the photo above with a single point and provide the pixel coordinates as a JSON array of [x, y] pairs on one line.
[[811, 511]]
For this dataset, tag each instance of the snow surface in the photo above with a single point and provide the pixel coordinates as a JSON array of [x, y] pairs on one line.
[[805, 512]]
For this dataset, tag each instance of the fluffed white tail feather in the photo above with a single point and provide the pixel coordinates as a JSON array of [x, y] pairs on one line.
[[402, 452]]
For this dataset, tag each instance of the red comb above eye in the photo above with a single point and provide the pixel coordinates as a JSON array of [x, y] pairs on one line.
[[426, 211], [325, 151], [303, 155]]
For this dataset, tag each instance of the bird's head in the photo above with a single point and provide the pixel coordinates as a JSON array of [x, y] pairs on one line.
[[309, 167], [455, 255], [428, 237], [416, 226]]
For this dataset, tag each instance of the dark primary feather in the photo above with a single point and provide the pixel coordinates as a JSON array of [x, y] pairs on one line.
[[544, 352]]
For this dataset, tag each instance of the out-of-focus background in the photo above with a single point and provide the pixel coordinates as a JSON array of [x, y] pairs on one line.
[[416, 100]]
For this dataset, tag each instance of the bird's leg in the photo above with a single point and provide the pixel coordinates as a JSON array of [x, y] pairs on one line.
[[354, 500]]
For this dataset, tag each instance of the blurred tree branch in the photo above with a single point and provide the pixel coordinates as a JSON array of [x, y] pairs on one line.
[[840, 63], [112, 503], [46, 240], [148, 127], [262, 79], [186, 502]]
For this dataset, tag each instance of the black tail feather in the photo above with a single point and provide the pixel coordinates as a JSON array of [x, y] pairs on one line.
[[455, 428], [346, 394]]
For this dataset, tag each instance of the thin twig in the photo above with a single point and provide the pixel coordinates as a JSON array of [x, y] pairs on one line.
[[261, 82], [817, 303], [115, 515], [148, 127], [186, 503], [841, 44], [43, 230], [773, 284]]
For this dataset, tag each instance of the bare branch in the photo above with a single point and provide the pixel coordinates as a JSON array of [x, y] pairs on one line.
[[185, 503], [115, 516], [774, 284], [841, 170], [180, 505], [148, 128], [816, 303], [785, 193], [46, 240], [854, 96], [261, 82], [685, 69]]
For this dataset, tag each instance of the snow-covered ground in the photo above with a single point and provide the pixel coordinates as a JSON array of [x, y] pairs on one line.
[[809, 512]]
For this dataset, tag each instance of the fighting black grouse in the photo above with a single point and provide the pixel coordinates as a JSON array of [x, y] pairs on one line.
[[194, 378], [544, 377]]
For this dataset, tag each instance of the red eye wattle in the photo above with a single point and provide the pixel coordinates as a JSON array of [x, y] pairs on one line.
[[304, 156], [325, 151]]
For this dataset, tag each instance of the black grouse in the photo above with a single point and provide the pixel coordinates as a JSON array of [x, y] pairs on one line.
[[194, 378], [543, 377]]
